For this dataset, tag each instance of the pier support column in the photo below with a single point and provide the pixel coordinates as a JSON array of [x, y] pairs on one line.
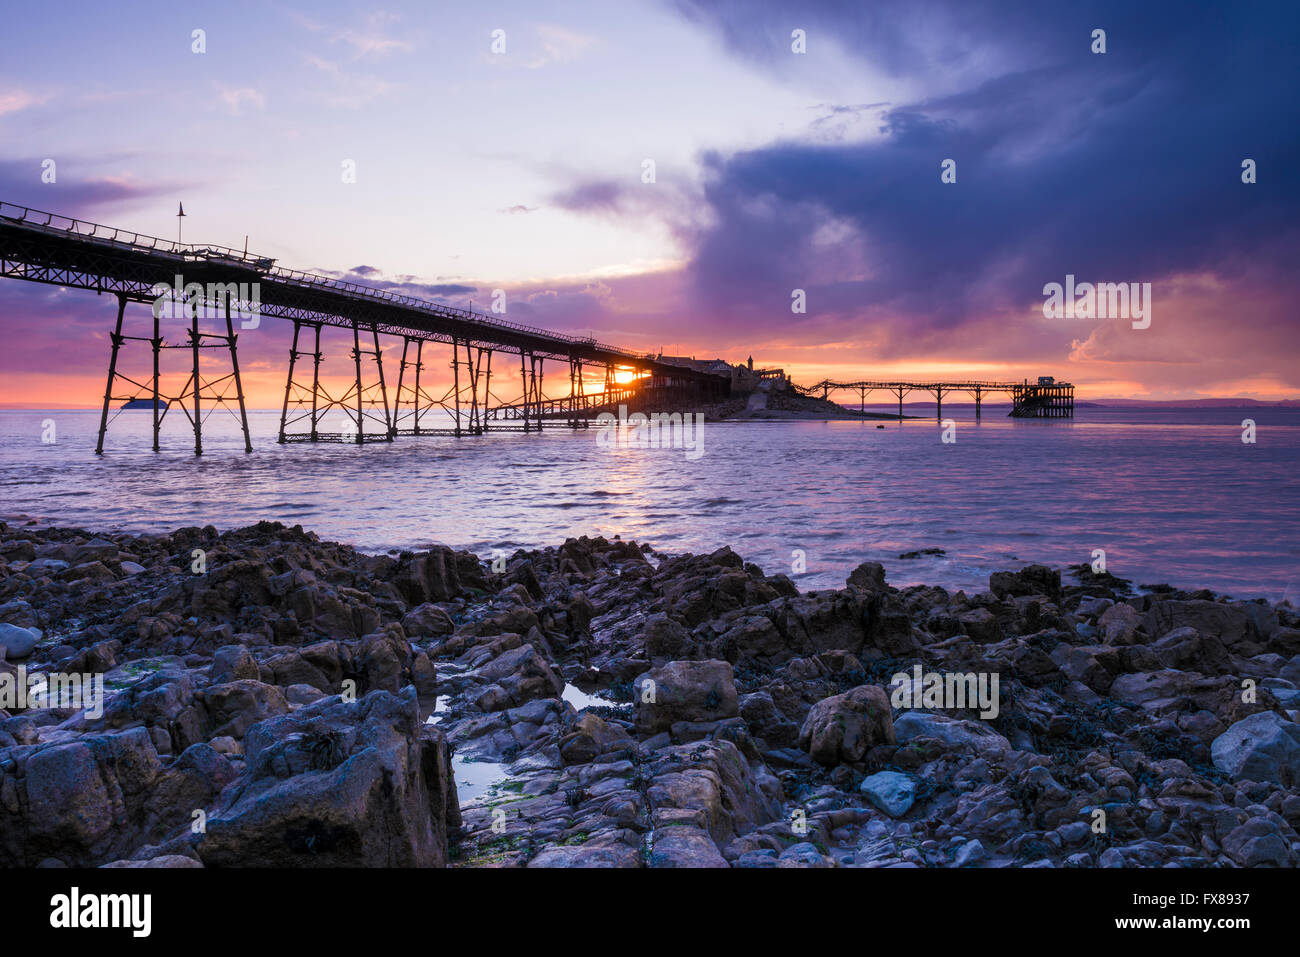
[[455, 382], [156, 343], [419, 366], [419, 399], [487, 390], [977, 403], [356, 355], [383, 389], [195, 343], [231, 339], [537, 371], [315, 388], [117, 341], [288, 381], [401, 381]]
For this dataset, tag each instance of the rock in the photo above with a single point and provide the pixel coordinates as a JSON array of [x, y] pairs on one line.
[[17, 642], [235, 706], [89, 801], [1119, 624], [592, 737], [842, 728], [868, 575], [164, 860], [588, 855], [1092, 607], [717, 788], [18, 612], [694, 691], [1030, 580], [339, 784], [684, 846], [956, 734], [67, 799], [972, 852], [232, 663], [981, 624], [1262, 747], [665, 639], [1232, 624], [1258, 843], [427, 621], [890, 791], [439, 574], [523, 675], [804, 854]]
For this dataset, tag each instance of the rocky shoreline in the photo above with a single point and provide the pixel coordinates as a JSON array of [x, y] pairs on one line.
[[271, 699]]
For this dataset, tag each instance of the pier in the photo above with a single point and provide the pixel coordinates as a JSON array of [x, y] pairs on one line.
[[42, 247], [1044, 399], [222, 283]]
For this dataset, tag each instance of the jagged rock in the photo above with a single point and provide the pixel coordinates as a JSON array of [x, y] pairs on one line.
[[235, 706], [591, 738], [338, 784], [1262, 747], [694, 691], [868, 575], [1030, 580], [842, 728], [522, 674], [17, 642], [427, 621], [957, 734], [890, 791]]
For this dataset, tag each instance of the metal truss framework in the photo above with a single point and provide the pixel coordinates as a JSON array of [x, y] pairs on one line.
[[1055, 400], [45, 248]]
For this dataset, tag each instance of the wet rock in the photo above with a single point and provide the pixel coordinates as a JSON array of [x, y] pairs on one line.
[[976, 736], [1262, 747], [890, 791], [1030, 580], [232, 663], [427, 621], [17, 642], [684, 846], [593, 737], [693, 691], [842, 728], [1259, 843], [235, 706], [869, 576], [522, 675], [338, 784]]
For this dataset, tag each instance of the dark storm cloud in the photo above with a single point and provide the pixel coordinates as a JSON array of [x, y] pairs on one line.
[[1123, 166]]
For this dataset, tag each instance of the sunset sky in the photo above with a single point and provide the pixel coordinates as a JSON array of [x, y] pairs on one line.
[[775, 171]]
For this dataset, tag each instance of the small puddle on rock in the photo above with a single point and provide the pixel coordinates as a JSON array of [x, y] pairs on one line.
[[439, 709], [475, 778], [580, 699]]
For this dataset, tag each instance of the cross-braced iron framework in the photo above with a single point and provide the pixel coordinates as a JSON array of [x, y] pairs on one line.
[[46, 248], [1040, 400]]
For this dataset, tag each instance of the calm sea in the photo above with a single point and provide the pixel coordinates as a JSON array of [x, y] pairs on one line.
[[1171, 496]]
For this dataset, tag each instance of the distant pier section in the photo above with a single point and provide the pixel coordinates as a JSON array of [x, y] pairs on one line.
[[1044, 399]]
